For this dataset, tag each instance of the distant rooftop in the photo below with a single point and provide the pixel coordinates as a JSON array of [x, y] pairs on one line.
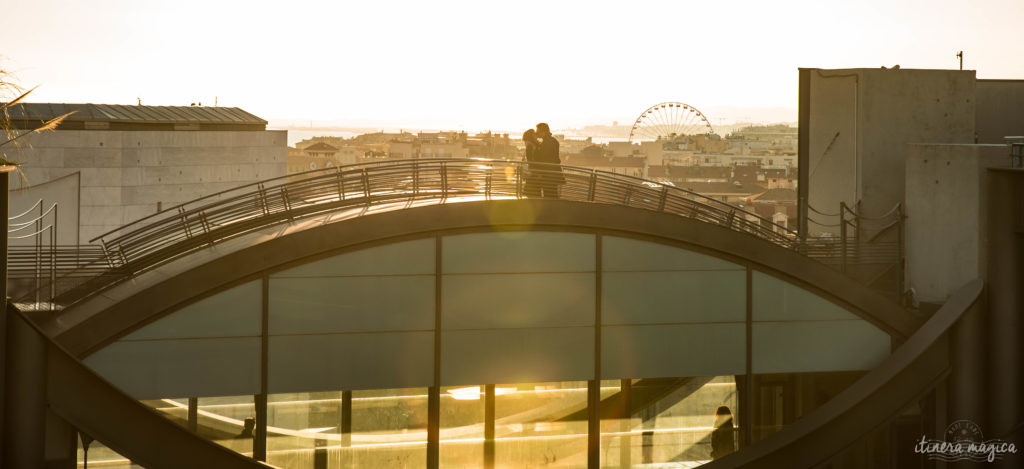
[[123, 117]]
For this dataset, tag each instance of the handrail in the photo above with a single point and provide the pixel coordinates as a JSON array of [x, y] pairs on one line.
[[163, 236], [22, 225], [252, 184], [85, 400], [33, 207], [911, 370]]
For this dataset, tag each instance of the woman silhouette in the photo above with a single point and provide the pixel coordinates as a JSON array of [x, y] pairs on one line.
[[722, 442]]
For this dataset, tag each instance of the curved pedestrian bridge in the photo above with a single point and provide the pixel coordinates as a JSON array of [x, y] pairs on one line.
[[425, 313]]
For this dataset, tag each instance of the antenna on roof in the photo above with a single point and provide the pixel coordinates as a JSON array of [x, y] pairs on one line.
[[960, 55]]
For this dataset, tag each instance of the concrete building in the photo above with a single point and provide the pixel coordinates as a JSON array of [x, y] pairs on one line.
[[625, 165], [116, 164], [855, 125]]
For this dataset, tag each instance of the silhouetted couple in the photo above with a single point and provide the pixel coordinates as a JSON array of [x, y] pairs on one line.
[[543, 172]]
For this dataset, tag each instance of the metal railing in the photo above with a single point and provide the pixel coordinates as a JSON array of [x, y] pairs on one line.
[[166, 235], [36, 262], [862, 240], [162, 236]]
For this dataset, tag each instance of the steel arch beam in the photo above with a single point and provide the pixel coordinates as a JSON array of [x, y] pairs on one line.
[[137, 308]]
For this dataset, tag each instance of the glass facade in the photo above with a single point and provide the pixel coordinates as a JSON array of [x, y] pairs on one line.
[[497, 349]]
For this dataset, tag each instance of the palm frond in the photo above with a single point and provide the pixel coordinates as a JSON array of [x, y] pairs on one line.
[[17, 100], [48, 125], [53, 123]]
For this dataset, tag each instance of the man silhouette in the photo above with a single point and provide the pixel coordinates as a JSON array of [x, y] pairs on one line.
[[550, 176]]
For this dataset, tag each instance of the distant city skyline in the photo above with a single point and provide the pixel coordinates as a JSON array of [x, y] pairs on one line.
[[492, 65]]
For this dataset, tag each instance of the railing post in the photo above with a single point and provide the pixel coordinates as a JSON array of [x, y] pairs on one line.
[[592, 186], [416, 178], [729, 218], [53, 256], [366, 185], [341, 184], [261, 192], [39, 252], [901, 264], [520, 169], [856, 223], [842, 233], [206, 227], [487, 185], [444, 180], [284, 197], [106, 254], [184, 222], [124, 257], [662, 198]]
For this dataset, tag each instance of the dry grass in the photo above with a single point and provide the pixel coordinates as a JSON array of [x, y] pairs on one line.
[[12, 141]]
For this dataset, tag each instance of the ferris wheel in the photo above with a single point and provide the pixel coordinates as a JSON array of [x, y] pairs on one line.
[[665, 120]]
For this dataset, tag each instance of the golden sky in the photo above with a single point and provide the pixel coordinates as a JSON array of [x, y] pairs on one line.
[[486, 64]]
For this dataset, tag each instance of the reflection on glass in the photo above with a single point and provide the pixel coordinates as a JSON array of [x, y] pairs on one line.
[[462, 426], [220, 419], [541, 424], [389, 428], [780, 399], [669, 420], [98, 455], [304, 430]]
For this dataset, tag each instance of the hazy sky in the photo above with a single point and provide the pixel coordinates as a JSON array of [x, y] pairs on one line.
[[486, 64]]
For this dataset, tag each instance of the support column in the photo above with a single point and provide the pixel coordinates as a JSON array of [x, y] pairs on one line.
[[1005, 329], [346, 429], [626, 440], [594, 385], [4, 170], [25, 396], [434, 392], [489, 426], [968, 357], [193, 414]]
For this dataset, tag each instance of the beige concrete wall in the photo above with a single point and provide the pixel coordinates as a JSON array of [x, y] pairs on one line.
[[832, 143], [945, 230], [126, 174], [868, 116], [1000, 110]]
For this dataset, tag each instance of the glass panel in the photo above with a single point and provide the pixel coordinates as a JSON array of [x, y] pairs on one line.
[[685, 421], [389, 428], [541, 424], [795, 330], [462, 426], [303, 363], [489, 356], [778, 300], [229, 420], [304, 430], [407, 257], [673, 297], [232, 313], [624, 254], [517, 300], [151, 369], [673, 350], [781, 399], [349, 304], [797, 346], [518, 251]]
